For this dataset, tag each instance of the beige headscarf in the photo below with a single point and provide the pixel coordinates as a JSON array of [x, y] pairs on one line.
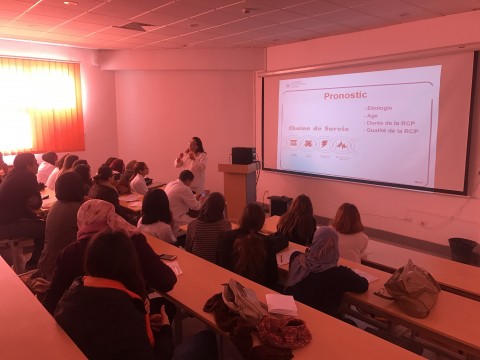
[[95, 216]]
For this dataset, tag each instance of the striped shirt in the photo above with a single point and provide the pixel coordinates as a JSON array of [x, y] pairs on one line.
[[202, 238]]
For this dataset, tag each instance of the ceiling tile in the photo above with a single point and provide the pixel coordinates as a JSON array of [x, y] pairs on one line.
[[120, 11], [155, 18], [182, 10], [83, 5], [144, 5], [445, 7], [395, 10], [102, 19], [314, 8], [280, 16]]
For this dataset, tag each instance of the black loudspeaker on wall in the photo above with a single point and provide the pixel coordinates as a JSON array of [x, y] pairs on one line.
[[279, 204]]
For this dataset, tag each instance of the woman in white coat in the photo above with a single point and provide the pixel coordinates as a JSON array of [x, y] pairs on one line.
[[195, 160]]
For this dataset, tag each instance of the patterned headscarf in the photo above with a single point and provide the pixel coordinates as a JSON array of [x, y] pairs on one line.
[[321, 255], [95, 216]]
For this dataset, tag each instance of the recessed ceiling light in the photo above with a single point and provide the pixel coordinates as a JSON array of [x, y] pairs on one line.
[[73, 3]]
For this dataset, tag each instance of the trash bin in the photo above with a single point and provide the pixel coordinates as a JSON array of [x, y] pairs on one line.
[[461, 249]]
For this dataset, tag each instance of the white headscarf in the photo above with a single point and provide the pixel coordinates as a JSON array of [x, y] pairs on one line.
[[95, 216]]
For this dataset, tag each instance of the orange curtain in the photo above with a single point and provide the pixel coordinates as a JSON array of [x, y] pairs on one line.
[[40, 106]]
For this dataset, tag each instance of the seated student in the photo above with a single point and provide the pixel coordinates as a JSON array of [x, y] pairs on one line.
[[19, 201], [47, 166], [84, 171], [54, 174], [316, 280], [103, 189], [3, 168], [182, 200], [204, 231], [96, 216], [118, 168], [109, 161], [352, 241], [61, 224], [104, 311], [247, 252], [137, 183], [298, 224], [67, 164], [156, 216]]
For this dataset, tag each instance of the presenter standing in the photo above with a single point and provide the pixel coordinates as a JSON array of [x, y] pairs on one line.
[[195, 160]]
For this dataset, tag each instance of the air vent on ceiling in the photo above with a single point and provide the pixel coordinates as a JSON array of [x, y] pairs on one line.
[[136, 26]]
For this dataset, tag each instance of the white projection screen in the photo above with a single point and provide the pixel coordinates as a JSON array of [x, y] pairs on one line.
[[400, 124]]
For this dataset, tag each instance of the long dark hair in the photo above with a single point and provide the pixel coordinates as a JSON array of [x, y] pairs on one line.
[[68, 163], [298, 218], [103, 174], [156, 207], [347, 220], [249, 252], [199, 143], [111, 255]]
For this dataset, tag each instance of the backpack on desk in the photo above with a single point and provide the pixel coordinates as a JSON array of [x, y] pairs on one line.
[[243, 301], [414, 289]]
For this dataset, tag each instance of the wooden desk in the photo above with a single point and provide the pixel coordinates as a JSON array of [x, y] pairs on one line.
[[27, 330], [332, 339], [269, 227], [131, 201], [452, 322], [453, 276]]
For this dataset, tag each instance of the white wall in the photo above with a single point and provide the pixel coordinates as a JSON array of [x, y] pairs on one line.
[[99, 113], [161, 106], [434, 217]]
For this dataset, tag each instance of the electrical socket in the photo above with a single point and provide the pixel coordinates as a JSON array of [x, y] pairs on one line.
[[423, 223]]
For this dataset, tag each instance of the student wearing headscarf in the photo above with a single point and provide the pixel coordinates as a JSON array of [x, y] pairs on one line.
[[203, 232], [315, 278], [94, 217], [61, 225]]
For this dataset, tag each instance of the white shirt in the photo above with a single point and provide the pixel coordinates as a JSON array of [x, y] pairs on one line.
[[197, 167], [160, 230], [44, 171], [139, 185], [352, 246], [52, 179], [181, 200]]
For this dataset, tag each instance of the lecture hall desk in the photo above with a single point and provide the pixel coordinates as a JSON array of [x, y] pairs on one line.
[[332, 338], [453, 276], [453, 321], [27, 330]]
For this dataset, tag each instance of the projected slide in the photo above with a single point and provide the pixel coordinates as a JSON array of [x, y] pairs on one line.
[[376, 126]]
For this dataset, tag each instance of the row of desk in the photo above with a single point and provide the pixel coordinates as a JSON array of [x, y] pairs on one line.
[[332, 338], [451, 325], [27, 330], [452, 322]]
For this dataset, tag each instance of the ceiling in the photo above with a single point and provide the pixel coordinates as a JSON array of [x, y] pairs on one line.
[[167, 24]]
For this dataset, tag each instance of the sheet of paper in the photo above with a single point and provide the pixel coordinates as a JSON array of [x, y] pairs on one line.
[[370, 278], [175, 266], [283, 258], [281, 304]]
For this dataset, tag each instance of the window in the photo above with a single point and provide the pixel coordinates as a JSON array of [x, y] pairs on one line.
[[40, 106]]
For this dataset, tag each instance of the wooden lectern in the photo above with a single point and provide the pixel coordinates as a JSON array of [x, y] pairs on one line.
[[240, 187]]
